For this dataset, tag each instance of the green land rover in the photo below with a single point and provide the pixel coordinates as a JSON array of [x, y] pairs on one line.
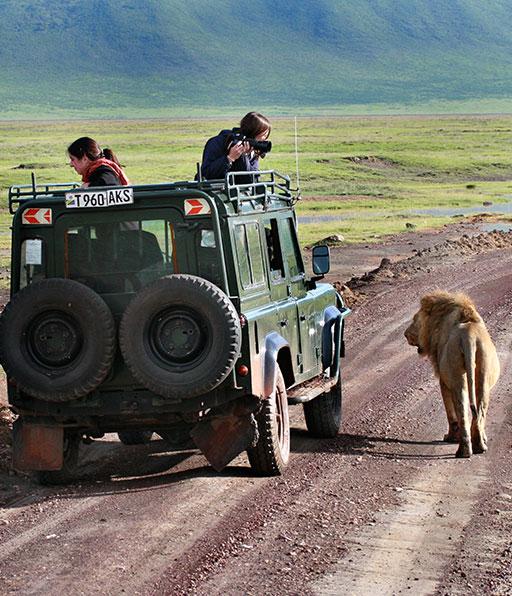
[[179, 309]]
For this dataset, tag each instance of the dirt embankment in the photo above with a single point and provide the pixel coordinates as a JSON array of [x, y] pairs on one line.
[[358, 288]]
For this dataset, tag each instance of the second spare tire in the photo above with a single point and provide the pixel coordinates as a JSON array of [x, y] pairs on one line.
[[180, 336]]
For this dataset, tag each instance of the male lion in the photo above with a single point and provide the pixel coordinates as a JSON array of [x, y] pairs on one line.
[[448, 329]]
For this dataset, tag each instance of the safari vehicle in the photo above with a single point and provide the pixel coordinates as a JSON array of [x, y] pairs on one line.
[[178, 309]]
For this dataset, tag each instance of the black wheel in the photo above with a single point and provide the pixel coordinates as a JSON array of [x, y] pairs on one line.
[[68, 472], [180, 336], [57, 339], [270, 455], [178, 438], [135, 437], [323, 414]]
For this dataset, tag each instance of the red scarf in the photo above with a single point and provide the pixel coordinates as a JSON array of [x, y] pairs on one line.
[[103, 161]]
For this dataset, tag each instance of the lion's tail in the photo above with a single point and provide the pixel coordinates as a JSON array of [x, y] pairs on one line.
[[469, 351]]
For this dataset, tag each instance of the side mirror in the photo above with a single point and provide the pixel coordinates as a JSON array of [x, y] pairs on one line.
[[321, 259]]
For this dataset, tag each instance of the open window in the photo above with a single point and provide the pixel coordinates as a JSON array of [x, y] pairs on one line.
[[275, 254]]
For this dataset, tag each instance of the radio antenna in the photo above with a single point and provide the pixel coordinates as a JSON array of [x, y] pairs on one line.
[[297, 159]]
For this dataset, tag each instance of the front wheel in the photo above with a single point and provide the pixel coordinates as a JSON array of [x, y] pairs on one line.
[[323, 413], [271, 454]]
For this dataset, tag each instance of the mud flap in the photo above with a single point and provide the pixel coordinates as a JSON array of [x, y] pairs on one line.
[[37, 446], [227, 431]]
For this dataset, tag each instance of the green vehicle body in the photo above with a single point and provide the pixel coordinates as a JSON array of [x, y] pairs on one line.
[[237, 245]]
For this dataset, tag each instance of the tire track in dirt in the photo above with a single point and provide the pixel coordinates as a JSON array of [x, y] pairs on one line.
[[408, 547], [389, 473]]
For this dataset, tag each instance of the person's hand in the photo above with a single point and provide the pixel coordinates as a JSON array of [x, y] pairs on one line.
[[238, 149]]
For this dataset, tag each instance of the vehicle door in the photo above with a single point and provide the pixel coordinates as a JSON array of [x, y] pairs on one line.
[[309, 343], [282, 287]]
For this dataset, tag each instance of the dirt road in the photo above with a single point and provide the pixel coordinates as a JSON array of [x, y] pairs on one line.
[[384, 508]]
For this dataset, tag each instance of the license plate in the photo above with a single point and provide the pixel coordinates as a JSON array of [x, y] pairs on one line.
[[108, 197]]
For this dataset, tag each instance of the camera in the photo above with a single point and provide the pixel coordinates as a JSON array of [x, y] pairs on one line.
[[261, 146]]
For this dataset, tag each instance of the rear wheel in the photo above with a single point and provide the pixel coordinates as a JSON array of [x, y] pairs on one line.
[[323, 414], [270, 455]]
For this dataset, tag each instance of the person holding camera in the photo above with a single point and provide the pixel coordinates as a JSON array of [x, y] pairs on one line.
[[238, 149]]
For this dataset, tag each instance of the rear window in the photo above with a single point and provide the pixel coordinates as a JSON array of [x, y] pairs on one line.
[[119, 257]]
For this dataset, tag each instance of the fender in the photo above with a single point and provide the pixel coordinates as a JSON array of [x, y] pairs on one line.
[[333, 332], [332, 318], [273, 344]]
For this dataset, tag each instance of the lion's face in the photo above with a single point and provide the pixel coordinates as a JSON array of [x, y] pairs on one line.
[[411, 333]]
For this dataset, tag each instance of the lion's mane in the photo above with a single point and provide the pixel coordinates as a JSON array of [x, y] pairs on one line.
[[440, 311]]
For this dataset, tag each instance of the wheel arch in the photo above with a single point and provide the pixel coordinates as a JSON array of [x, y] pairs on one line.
[[277, 353]]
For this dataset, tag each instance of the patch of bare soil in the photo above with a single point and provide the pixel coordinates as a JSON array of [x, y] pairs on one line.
[[372, 161], [358, 288], [384, 508]]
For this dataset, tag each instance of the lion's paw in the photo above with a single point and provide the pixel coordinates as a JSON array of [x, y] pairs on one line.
[[463, 451], [451, 437], [479, 447]]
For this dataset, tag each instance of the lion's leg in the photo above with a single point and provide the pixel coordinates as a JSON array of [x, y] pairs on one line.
[[478, 436], [453, 434], [461, 403]]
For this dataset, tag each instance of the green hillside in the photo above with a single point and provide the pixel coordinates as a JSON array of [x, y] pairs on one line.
[[189, 57]]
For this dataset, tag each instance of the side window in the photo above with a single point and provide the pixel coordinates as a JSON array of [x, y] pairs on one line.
[[250, 258], [206, 256], [32, 262], [291, 248], [275, 253], [255, 254]]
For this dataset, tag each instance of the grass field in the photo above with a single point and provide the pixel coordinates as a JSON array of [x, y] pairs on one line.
[[366, 169]]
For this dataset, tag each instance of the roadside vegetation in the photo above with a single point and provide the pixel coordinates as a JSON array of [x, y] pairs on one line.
[[362, 174]]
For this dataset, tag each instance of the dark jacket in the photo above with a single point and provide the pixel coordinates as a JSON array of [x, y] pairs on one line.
[[104, 176], [215, 164]]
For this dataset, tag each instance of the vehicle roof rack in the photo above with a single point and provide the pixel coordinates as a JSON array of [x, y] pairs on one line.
[[262, 187], [24, 192]]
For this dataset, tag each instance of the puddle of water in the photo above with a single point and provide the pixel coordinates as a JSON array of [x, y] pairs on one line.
[[497, 227], [436, 211], [500, 208]]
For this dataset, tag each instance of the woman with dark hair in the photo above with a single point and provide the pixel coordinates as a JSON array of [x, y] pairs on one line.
[[223, 153], [98, 167]]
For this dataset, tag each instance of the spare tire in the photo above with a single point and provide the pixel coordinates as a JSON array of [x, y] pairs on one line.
[[180, 336], [57, 339]]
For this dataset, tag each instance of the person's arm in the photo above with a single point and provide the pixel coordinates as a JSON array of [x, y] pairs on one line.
[[215, 162]]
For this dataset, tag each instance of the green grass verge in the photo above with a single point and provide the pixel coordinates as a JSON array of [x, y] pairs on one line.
[[369, 167]]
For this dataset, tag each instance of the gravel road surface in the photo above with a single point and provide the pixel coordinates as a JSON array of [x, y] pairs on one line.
[[383, 509]]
